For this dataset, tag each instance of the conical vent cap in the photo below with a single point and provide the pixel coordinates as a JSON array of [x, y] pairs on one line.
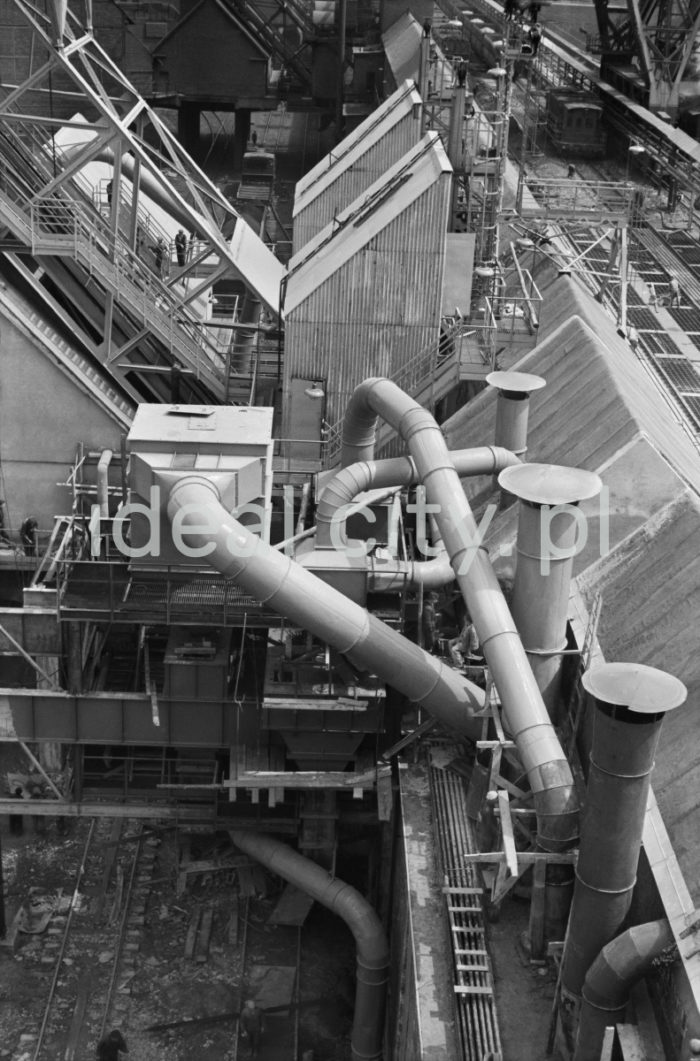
[[549, 484], [635, 686]]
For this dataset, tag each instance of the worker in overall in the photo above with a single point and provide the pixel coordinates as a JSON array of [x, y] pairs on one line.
[[111, 1046], [159, 257], [28, 535], [675, 292], [181, 247], [535, 35], [251, 1025]]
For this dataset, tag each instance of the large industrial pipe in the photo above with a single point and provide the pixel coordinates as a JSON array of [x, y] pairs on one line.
[[630, 703], [609, 981], [513, 407], [354, 479], [361, 919], [548, 771], [548, 538], [103, 482], [196, 512]]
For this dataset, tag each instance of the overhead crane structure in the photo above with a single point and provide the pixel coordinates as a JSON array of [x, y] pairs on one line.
[[561, 65], [90, 199], [660, 36]]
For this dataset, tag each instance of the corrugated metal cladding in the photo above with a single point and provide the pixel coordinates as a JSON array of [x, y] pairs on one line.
[[377, 146], [377, 310]]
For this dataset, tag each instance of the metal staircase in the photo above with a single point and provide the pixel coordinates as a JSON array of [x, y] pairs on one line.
[[59, 226], [92, 235]]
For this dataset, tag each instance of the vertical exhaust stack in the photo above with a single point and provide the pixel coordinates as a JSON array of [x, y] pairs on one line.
[[630, 703], [513, 408], [548, 535]]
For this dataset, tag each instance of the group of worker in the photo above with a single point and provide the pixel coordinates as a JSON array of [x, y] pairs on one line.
[[160, 254], [462, 647], [250, 1023], [512, 12]]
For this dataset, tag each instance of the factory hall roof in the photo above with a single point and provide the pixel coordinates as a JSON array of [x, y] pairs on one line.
[[353, 147], [601, 412], [355, 227]]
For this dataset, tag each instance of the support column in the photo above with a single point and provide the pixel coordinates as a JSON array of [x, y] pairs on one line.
[[188, 127], [241, 135]]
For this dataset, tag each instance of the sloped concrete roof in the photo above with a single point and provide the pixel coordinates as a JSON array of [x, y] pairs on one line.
[[602, 412]]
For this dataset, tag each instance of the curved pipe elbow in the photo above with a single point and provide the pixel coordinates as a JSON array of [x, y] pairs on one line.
[[397, 575], [362, 920], [363, 475], [610, 979], [624, 961]]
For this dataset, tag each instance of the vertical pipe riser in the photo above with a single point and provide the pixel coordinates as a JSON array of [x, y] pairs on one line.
[[548, 531], [611, 834], [630, 701]]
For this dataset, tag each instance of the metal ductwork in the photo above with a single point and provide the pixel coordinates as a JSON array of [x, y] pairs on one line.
[[513, 407], [288, 589], [388, 574], [546, 546], [356, 478], [610, 979], [548, 771], [630, 703], [361, 919]]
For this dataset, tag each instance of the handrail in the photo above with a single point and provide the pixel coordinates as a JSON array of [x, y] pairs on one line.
[[419, 369], [81, 229], [59, 222]]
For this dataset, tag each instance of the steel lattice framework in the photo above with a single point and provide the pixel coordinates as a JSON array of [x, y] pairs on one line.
[[661, 34]]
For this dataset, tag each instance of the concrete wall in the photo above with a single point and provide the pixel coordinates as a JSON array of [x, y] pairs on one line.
[[43, 417]]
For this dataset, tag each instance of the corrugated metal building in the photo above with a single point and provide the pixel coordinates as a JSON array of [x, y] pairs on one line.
[[358, 161], [364, 296]]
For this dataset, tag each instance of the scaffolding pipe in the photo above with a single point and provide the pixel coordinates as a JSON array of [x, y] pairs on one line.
[[362, 920], [277, 580], [547, 542], [548, 771], [630, 702], [610, 979], [103, 482]]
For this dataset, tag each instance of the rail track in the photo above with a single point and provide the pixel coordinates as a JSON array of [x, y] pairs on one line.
[[281, 1027], [90, 943]]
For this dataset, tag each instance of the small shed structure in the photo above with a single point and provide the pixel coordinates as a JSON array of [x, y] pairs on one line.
[[235, 72]]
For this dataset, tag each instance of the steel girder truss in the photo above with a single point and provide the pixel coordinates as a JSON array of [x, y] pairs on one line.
[[49, 207], [661, 34]]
